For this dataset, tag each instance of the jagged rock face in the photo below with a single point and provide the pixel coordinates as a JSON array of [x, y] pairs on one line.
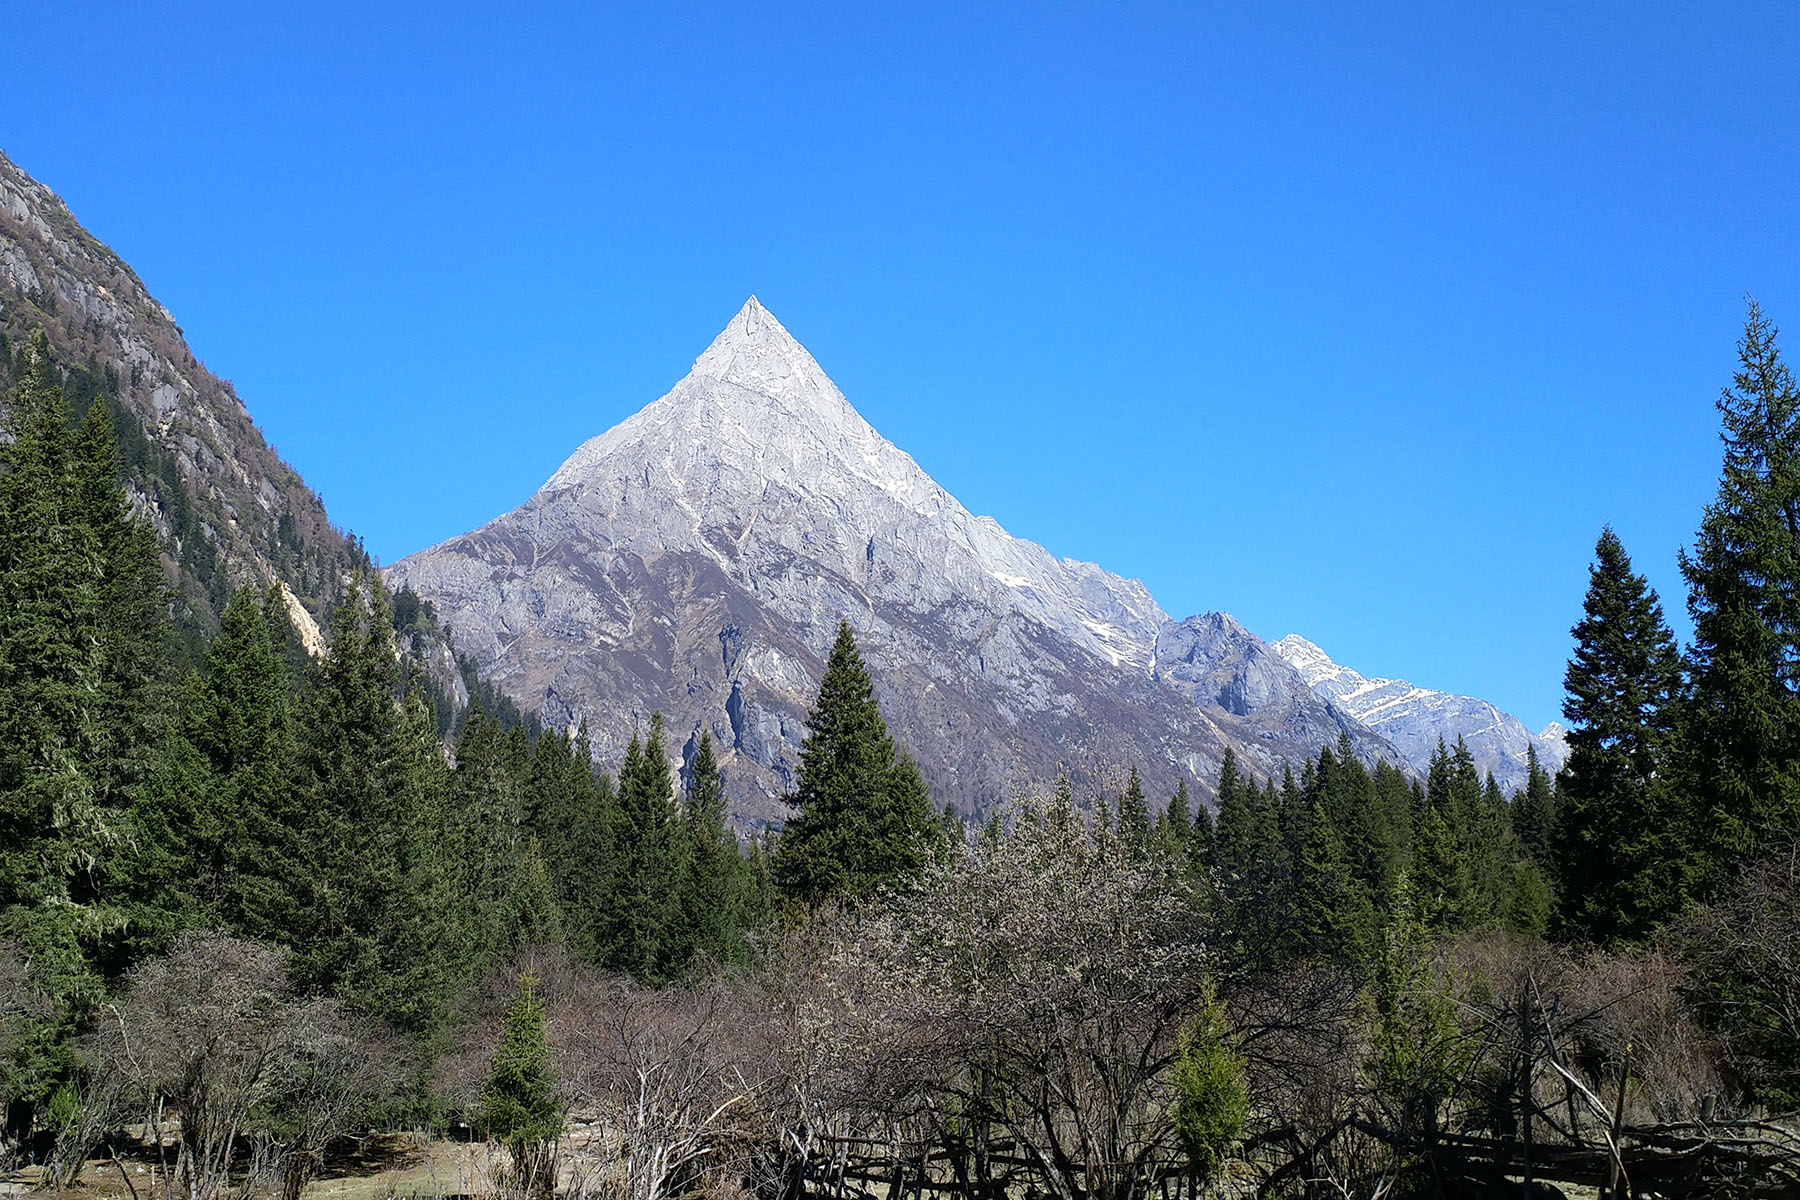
[[243, 514], [1415, 718], [696, 559], [1216, 661]]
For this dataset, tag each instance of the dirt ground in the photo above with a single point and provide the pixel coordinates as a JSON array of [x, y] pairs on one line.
[[397, 1165]]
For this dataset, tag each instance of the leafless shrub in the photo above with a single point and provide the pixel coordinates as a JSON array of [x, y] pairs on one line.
[[216, 1052], [1595, 1014], [800, 1044], [662, 1086], [334, 1064], [663, 1076], [1631, 1013], [1303, 1046], [1745, 951]]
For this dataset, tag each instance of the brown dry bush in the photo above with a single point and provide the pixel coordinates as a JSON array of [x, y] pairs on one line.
[[211, 1048]]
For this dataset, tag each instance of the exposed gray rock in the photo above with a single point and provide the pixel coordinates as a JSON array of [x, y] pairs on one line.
[[1213, 660], [1415, 718]]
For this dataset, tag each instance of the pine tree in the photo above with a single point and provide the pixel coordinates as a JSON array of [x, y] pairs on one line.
[[1331, 914], [369, 851], [573, 812], [1175, 828], [1534, 816], [1252, 868], [81, 651], [1623, 845], [1492, 850], [1134, 817], [426, 930], [1743, 728], [219, 810], [488, 787], [645, 935], [1212, 1098], [532, 915], [519, 1105], [953, 836], [1441, 877], [1236, 838], [1293, 814], [1202, 839], [713, 900], [1356, 814], [133, 610], [1062, 804], [908, 816], [861, 822], [1393, 800]]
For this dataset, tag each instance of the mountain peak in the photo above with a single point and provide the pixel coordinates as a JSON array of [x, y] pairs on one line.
[[1303, 656], [755, 351]]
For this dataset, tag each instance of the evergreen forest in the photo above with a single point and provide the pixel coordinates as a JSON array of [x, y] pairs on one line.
[[260, 910]]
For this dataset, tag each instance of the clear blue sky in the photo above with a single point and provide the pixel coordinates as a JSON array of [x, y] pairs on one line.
[[1353, 324]]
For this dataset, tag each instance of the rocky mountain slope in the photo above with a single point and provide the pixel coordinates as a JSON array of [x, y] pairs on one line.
[[696, 559], [228, 510], [227, 507], [1415, 718]]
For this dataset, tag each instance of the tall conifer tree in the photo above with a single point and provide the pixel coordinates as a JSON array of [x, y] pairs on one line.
[[1534, 812], [863, 818], [1134, 816], [646, 935], [221, 807], [82, 628], [1624, 844], [1743, 760], [715, 898]]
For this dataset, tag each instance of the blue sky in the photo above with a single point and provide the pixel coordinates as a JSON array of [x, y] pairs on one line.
[[1352, 324]]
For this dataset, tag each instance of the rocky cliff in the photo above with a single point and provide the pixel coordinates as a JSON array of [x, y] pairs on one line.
[[228, 509]]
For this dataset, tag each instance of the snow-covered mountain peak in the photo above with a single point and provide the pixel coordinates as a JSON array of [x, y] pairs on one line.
[[755, 448], [756, 399]]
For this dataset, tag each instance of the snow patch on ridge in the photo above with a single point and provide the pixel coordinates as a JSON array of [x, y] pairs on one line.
[[1414, 719]]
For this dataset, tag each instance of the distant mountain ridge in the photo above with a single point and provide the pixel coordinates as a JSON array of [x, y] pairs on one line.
[[1415, 718]]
